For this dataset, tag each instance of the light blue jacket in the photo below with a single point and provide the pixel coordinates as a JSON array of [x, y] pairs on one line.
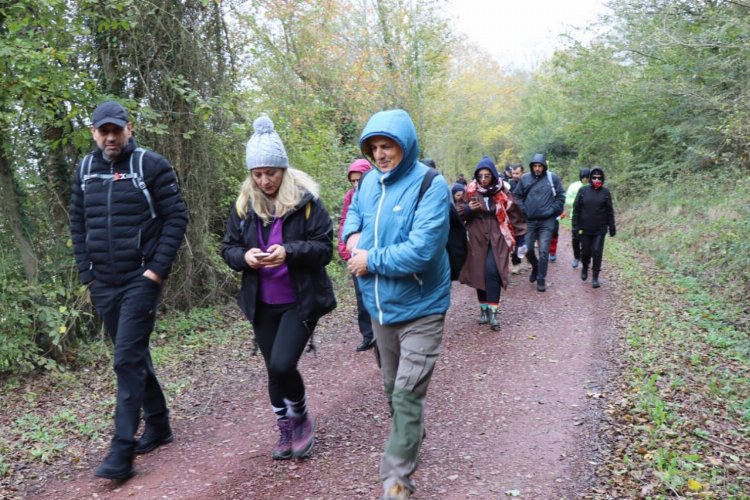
[[409, 272]]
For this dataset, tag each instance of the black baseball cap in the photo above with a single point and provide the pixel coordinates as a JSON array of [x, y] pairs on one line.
[[110, 112]]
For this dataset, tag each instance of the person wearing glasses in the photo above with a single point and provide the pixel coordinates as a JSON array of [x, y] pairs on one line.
[[593, 214], [493, 222], [354, 173]]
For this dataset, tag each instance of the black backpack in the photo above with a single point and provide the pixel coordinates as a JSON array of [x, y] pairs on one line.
[[457, 245]]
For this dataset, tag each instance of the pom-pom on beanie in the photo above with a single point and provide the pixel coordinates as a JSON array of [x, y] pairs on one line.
[[265, 149]]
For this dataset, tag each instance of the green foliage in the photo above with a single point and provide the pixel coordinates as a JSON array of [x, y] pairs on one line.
[[681, 413]]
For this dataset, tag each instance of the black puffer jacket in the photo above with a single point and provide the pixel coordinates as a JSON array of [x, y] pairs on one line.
[[593, 212], [308, 242], [114, 236], [535, 197]]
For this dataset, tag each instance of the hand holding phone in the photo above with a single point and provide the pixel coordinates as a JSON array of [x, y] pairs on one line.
[[261, 255]]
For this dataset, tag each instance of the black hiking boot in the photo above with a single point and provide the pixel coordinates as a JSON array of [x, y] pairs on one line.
[[595, 280], [116, 466], [584, 273], [533, 275], [152, 438]]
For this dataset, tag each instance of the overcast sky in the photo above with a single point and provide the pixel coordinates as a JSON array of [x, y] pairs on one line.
[[522, 33]]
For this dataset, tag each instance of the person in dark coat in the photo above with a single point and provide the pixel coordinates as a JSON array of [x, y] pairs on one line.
[[593, 215], [541, 197], [280, 236], [493, 222], [127, 220], [459, 197]]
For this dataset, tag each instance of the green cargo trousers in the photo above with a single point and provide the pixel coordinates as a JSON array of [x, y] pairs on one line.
[[408, 353]]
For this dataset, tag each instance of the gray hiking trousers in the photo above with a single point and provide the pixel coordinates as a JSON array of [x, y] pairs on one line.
[[408, 353]]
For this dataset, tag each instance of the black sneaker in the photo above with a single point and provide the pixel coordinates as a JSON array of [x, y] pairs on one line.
[[532, 276], [584, 273], [541, 286], [152, 438], [365, 345]]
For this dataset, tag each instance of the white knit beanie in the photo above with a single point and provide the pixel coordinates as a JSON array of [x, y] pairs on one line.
[[265, 149]]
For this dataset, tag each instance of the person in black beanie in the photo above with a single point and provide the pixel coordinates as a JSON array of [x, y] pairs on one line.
[[593, 214]]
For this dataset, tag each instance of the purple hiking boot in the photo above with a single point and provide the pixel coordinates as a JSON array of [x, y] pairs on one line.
[[303, 436], [283, 450]]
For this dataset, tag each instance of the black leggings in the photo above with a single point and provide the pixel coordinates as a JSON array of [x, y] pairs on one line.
[[592, 245], [492, 281], [281, 337]]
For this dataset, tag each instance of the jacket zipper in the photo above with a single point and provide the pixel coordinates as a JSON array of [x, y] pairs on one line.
[[377, 224], [109, 214]]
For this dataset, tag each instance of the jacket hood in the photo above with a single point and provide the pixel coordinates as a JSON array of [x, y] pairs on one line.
[[487, 163], [458, 187], [396, 124], [429, 162], [361, 165], [597, 170], [584, 172], [538, 158]]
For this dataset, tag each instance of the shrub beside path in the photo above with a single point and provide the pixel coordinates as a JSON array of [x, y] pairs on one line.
[[509, 413]]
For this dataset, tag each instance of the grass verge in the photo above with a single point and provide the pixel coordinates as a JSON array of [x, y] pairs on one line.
[[680, 418]]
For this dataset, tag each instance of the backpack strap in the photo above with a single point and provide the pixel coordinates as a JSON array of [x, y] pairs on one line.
[[426, 181], [138, 180], [86, 165], [308, 209], [549, 179]]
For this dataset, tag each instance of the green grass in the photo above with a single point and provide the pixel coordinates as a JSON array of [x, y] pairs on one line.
[[686, 371]]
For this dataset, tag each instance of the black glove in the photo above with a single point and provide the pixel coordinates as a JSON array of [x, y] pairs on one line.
[[612, 233]]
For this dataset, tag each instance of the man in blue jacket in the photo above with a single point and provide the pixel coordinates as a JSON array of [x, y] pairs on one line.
[[541, 196], [399, 258], [127, 220]]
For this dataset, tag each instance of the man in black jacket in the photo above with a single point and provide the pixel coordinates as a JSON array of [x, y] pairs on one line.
[[127, 220], [542, 198]]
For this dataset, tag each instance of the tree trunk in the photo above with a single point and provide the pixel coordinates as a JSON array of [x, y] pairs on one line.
[[9, 204]]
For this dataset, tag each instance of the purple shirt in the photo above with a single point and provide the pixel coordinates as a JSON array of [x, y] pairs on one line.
[[274, 285]]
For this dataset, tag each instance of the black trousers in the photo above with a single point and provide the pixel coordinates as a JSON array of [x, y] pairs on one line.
[[592, 247], [576, 246], [363, 317], [492, 281], [282, 338], [129, 313]]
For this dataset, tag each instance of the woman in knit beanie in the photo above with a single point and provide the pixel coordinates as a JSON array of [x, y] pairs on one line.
[[280, 236]]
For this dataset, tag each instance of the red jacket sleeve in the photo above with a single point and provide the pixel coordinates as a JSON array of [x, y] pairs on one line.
[[343, 252]]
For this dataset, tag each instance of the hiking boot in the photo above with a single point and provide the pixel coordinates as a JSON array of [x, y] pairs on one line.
[[152, 438], [575, 263], [365, 345], [540, 285], [595, 280], [532, 276], [495, 320], [484, 318], [397, 492], [584, 273], [303, 436], [515, 269], [116, 466], [283, 450]]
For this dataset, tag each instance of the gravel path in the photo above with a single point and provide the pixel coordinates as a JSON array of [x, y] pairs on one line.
[[509, 413]]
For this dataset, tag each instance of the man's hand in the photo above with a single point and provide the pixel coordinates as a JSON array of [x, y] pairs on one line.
[[149, 274], [357, 265], [351, 243]]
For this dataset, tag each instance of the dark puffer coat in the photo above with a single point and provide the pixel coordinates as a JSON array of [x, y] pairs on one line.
[[593, 212], [535, 194], [114, 236], [308, 242]]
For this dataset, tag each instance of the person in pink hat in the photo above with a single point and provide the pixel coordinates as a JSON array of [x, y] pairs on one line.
[[354, 173]]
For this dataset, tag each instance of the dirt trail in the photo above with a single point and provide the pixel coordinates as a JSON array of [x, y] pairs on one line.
[[508, 412]]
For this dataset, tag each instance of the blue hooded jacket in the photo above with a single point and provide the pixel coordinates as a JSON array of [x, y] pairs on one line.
[[408, 270]]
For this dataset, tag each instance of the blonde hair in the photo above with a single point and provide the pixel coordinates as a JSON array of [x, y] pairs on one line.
[[294, 184]]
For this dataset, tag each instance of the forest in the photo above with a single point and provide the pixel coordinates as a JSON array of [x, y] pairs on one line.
[[660, 98]]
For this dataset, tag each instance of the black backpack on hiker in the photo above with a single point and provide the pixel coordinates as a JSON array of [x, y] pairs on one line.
[[457, 245]]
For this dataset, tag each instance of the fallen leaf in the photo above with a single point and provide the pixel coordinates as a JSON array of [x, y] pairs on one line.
[[694, 485]]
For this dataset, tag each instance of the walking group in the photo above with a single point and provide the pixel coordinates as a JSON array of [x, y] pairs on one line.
[[128, 219]]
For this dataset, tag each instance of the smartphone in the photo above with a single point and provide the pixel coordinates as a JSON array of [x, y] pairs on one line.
[[261, 255]]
